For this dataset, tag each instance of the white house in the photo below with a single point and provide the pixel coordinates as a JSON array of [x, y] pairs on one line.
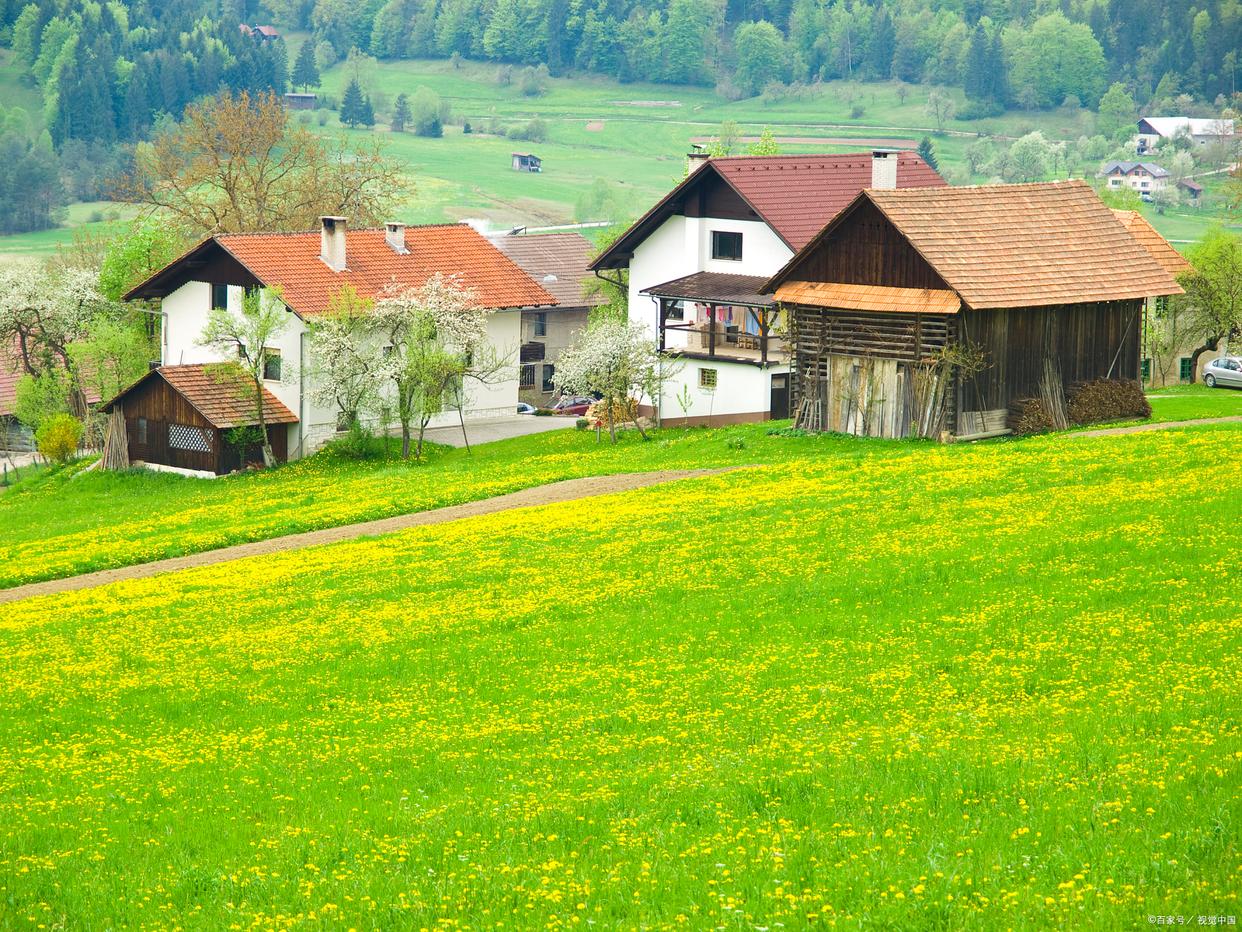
[[1152, 131], [309, 270], [698, 258], [1144, 178]]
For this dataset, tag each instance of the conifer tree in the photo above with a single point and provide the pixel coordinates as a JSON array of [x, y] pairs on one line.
[[305, 71], [351, 105], [366, 114], [400, 114], [927, 152]]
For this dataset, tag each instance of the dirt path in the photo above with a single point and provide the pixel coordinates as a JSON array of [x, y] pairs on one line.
[[563, 491], [1138, 429]]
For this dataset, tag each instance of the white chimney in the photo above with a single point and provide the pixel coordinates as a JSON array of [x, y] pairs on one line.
[[884, 169], [332, 242], [696, 158], [394, 235]]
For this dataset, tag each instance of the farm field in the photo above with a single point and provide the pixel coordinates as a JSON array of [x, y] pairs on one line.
[[895, 685], [633, 136], [67, 524]]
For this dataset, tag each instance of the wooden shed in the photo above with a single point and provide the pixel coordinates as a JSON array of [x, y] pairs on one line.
[[526, 162], [180, 416], [928, 311]]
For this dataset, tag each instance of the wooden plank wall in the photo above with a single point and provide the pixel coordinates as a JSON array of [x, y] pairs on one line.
[[868, 250], [1086, 340], [162, 407]]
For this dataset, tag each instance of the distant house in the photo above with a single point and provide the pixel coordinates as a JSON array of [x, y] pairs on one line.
[[558, 262], [1152, 131], [308, 269], [698, 258], [1040, 280], [1193, 189], [261, 33], [301, 101], [526, 162], [1141, 177], [13, 434]]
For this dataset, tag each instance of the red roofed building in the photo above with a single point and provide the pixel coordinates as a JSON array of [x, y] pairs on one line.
[[309, 269], [697, 259]]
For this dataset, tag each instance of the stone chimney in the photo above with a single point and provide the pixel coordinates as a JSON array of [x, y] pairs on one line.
[[394, 235], [884, 169], [332, 242]]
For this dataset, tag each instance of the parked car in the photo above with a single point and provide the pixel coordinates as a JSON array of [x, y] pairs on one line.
[[573, 404], [1224, 371], [524, 408]]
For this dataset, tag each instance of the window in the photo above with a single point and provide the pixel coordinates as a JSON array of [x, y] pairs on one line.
[[1146, 370], [1184, 370], [526, 378], [726, 245], [142, 430], [548, 372], [271, 365], [707, 378], [675, 310], [219, 296], [541, 324]]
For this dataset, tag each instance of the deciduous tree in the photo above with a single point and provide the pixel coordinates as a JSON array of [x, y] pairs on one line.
[[233, 165], [1214, 292]]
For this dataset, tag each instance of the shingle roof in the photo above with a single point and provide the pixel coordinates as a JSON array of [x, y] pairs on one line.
[[798, 194], [291, 262], [1171, 126], [1156, 171], [1169, 258], [1020, 245], [870, 298], [216, 393], [563, 256], [715, 288], [794, 194]]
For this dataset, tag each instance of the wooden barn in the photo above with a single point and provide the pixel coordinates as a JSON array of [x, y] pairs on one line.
[[180, 416], [930, 311]]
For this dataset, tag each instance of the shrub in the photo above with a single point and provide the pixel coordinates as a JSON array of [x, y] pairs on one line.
[[533, 82], [321, 116], [543, 412], [582, 423], [980, 110], [1106, 400], [534, 131], [857, 111], [358, 443], [465, 128], [58, 437], [736, 443]]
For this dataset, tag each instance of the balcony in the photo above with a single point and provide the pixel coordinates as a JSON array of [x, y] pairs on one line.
[[710, 315]]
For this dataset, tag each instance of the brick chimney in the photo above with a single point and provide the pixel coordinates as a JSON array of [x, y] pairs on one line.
[[394, 235], [884, 169], [696, 158], [332, 242]]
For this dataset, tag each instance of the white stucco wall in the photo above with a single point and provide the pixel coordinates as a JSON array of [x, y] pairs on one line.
[[682, 246], [186, 311]]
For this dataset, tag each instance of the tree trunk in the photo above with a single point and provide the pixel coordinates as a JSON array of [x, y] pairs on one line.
[[269, 458], [461, 416], [612, 428], [1209, 346], [405, 439]]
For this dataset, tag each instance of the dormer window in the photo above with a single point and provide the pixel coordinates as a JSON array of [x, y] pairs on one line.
[[726, 245]]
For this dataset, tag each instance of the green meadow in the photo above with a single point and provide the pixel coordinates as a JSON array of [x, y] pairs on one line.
[[883, 685], [632, 136]]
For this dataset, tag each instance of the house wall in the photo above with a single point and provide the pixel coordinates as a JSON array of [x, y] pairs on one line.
[[742, 394], [682, 246], [186, 311], [563, 327]]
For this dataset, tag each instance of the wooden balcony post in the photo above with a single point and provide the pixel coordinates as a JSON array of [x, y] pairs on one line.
[[711, 330], [663, 320], [763, 336]]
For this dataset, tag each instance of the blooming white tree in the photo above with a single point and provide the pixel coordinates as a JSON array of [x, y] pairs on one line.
[[433, 332], [346, 357], [615, 360]]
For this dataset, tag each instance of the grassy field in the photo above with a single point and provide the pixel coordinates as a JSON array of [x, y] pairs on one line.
[[883, 685], [634, 136], [63, 524]]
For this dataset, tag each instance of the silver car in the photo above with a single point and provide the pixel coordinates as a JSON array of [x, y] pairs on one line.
[[1224, 371]]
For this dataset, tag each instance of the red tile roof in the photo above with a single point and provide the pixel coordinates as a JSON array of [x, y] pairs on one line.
[[218, 394], [290, 261], [796, 195]]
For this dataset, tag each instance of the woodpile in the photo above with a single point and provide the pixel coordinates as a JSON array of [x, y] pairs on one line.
[[116, 442]]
